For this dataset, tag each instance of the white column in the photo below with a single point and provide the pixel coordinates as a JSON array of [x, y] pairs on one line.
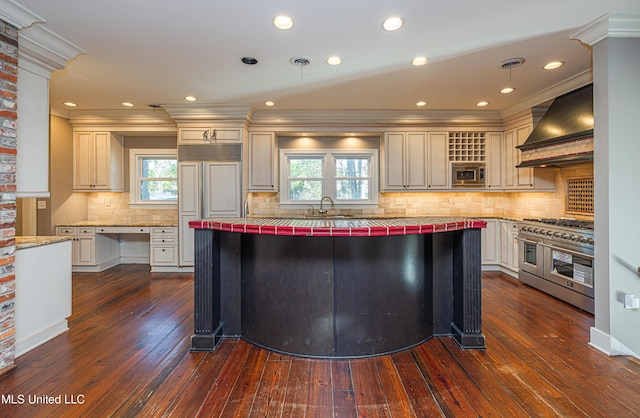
[[615, 40]]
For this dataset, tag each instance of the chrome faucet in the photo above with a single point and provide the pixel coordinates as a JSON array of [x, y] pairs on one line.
[[323, 211]]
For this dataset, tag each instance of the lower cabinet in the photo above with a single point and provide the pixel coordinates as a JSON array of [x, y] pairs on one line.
[[99, 248], [163, 248], [509, 247], [500, 247]]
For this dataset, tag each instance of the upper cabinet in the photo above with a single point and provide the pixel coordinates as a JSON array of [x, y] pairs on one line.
[[98, 162], [416, 161], [263, 162], [404, 163], [523, 178], [193, 135], [495, 160], [437, 160]]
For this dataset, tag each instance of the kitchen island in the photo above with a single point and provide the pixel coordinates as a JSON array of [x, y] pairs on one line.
[[43, 290], [337, 288]]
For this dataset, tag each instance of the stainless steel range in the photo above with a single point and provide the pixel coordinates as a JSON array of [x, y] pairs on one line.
[[556, 256]]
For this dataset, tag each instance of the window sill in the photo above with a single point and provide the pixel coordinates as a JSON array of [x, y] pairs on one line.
[[153, 205]]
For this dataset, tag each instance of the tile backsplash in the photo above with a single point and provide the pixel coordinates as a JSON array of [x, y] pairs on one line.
[[514, 205], [115, 206]]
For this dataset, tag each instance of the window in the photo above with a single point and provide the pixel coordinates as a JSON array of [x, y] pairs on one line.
[[348, 177], [153, 177]]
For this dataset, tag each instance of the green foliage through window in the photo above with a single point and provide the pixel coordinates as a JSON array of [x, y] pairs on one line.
[[159, 179]]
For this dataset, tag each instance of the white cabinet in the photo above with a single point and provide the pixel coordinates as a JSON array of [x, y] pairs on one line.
[[194, 135], [495, 161], [206, 189], [83, 246], [523, 178], [263, 162], [509, 247], [490, 238], [437, 160], [98, 162], [222, 189], [189, 208], [163, 247], [90, 250], [405, 155]]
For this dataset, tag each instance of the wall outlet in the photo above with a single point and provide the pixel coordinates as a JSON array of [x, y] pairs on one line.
[[42, 204], [399, 202], [107, 202], [631, 301], [490, 202]]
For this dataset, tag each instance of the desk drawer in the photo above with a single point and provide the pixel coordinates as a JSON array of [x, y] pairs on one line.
[[164, 231], [160, 240], [123, 230], [66, 230]]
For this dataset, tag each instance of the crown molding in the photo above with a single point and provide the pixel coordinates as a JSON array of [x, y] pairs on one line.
[[17, 15], [126, 122], [610, 25], [184, 113], [370, 120], [45, 49]]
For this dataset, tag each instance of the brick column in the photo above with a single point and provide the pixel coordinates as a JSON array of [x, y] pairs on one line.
[[8, 141]]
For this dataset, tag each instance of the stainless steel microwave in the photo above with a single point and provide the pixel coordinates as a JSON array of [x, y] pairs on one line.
[[468, 175]]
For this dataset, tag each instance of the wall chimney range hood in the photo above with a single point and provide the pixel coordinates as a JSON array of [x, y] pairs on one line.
[[564, 134]]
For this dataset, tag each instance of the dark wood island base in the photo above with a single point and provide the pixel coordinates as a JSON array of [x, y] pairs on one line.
[[337, 288]]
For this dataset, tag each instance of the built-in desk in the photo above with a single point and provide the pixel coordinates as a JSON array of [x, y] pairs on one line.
[[99, 245]]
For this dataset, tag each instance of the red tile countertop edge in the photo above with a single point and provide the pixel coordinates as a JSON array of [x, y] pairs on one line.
[[338, 227]]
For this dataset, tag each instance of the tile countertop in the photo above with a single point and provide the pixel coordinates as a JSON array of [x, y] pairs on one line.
[[23, 242], [338, 226], [150, 223]]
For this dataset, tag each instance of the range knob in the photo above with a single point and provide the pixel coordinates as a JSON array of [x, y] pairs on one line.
[[582, 239], [557, 234], [573, 238], [590, 241], [565, 236], [549, 233], [536, 231]]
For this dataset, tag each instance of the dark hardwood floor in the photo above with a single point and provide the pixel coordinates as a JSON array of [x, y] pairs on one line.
[[127, 355]]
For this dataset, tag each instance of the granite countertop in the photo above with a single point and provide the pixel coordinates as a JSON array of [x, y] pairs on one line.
[[149, 223], [23, 242], [338, 226]]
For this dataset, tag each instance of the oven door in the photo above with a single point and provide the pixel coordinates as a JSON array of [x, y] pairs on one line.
[[569, 269], [531, 256]]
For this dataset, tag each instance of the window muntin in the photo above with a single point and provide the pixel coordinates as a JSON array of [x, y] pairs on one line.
[[348, 177], [305, 178], [352, 178], [153, 177]]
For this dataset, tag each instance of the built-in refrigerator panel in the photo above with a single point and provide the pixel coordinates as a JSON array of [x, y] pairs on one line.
[[206, 189]]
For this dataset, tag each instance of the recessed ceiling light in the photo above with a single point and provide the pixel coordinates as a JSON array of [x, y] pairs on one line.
[[507, 90], [70, 104], [249, 60], [392, 23], [482, 104], [269, 103], [127, 104], [283, 22], [553, 65], [334, 60], [190, 98], [420, 104], [419, 61]]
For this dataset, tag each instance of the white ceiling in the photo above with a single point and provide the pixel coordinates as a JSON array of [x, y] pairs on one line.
[[159, 51]]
